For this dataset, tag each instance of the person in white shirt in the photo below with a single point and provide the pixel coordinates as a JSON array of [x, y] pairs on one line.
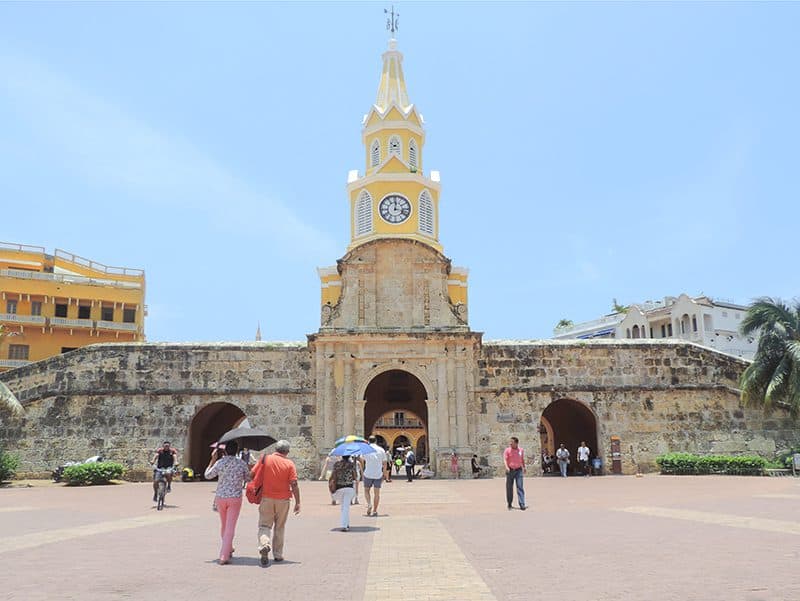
[[374, 465], [583, 458], [562, 457]]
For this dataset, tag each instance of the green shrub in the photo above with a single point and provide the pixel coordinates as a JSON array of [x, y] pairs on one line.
[[85, 474], [8, 465], [686, 463]]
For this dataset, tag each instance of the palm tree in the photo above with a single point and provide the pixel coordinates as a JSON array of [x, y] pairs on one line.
[[7, 398], [774, 375]]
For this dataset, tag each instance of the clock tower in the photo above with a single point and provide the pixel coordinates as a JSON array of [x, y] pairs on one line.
[[394, 274]]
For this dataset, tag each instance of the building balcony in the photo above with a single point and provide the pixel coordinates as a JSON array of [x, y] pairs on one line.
[[117, 325], [67, 279], [402, 423], [12, 363], [17, 318], [71, 323]]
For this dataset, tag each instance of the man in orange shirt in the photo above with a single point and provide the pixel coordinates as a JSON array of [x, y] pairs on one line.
[[279, 484]]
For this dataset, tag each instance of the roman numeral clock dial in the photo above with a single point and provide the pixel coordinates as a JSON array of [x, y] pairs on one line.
[[395, 208]]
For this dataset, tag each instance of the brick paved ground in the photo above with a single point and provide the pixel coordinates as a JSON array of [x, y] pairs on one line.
[[583, 539]]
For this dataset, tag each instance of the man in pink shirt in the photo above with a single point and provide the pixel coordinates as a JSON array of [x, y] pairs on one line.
[[514, 460]]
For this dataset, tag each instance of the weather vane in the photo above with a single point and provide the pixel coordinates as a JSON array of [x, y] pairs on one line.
[[392, 22]]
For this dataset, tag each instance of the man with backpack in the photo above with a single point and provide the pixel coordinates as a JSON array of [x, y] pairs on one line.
[[411, 461]]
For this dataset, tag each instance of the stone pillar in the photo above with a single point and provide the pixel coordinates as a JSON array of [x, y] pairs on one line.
[[348, 401], [433, 430], [461, 406], [443, 426], [452, 408], [359, 406], [330, 399]]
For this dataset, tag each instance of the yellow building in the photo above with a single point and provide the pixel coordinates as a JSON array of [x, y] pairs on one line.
[[55, 303]]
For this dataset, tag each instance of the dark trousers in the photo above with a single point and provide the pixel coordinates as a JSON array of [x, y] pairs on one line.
[[410, 472], [515, 477]]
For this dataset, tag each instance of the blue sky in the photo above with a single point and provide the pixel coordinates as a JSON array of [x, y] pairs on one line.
[[588, 151]]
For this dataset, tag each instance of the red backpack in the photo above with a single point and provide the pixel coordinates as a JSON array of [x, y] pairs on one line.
[[254, 488]]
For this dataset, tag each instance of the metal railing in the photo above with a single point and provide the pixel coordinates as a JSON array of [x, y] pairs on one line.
[[78, 260], [67, 279], [116, 325], [401, 423], [587, 325], [17, 318], [26, 248], [76, 323], [13, 362]]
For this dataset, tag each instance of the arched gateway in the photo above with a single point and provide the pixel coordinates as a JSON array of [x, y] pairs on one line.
[[210, 422], [569, 422], [396, 409]]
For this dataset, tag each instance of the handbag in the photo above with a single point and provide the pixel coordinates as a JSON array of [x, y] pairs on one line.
[[332, 485], [254, 489]]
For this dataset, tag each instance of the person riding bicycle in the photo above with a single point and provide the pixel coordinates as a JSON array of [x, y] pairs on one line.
[[164, 457]]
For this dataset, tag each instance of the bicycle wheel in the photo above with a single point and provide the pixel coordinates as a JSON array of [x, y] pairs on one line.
[[162, 491]]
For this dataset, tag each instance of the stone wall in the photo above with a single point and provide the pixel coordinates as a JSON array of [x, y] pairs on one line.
[[122, 400], [657, 396]]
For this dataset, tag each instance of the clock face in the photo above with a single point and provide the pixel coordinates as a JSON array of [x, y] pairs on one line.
[[395, 208]]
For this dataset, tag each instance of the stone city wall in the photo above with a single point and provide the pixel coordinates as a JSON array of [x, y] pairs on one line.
[[122, 400], [657, 396]]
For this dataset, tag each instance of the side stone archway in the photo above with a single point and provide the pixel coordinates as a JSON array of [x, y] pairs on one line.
[[569, 422], [210, 422]]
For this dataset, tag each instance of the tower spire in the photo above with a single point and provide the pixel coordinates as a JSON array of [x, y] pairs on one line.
[[258, 332]]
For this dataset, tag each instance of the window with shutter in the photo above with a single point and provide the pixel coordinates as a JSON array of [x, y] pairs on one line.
[[412, 154], [376, 153], [426, 225], [364, 214], [394, 146]]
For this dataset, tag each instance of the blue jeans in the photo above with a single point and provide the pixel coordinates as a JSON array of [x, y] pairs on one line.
[[562, 464], [511, 477]]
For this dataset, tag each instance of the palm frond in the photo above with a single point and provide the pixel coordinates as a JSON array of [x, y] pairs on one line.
[[766, 313], [777, 387]]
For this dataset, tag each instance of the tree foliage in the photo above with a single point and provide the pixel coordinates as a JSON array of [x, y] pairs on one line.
[[774, 376]]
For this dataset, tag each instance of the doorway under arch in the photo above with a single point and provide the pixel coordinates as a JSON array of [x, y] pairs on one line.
[[569, 422], [396, 404], [211, 422]]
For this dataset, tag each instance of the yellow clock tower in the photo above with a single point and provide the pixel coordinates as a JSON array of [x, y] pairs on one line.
[[394, 201]]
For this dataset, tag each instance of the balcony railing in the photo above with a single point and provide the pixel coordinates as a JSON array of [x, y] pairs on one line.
[[399, 423], [78, 260], [11, 363], [71, 323], [66, 278], [17, 318], [116, 325]]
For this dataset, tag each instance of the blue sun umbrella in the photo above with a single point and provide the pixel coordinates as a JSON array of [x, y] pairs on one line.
[[349, 438], [353, 448]]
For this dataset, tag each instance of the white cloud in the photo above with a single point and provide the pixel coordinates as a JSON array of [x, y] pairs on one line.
[[105, 145]]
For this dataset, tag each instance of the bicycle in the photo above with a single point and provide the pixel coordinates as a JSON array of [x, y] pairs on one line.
[[160, 476]]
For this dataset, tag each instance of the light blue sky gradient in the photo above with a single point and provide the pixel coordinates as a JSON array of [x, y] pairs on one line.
[[588, 151]]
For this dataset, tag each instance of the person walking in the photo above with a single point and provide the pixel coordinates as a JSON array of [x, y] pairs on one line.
[[341, 485], [411, 461], [233, 473], [454, 463], [374, 467], [514, 460], [279, 485], [583, 458], [562, 457]]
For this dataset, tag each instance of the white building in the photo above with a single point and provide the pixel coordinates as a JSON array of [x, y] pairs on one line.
[[704, 320]]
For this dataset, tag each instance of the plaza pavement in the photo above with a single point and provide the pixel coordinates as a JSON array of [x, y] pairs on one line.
[[583, 539]]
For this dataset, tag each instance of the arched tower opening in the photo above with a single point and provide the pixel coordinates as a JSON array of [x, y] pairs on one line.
[[211, 422], [568, 422], [396, 410]]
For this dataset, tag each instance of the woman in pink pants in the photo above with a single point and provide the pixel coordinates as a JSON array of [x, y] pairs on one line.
[[233, 473]]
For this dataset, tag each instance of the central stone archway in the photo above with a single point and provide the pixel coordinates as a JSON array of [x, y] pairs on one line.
[[569, 422], [396, 406], [210, 422]]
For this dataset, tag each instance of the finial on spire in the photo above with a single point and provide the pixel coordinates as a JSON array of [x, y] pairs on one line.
[[392, 22], [258, 332]]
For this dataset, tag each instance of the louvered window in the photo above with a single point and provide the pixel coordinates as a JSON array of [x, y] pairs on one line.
[[412, 155], [376, 153], [364, 214], [394, 146], [426, 213]]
